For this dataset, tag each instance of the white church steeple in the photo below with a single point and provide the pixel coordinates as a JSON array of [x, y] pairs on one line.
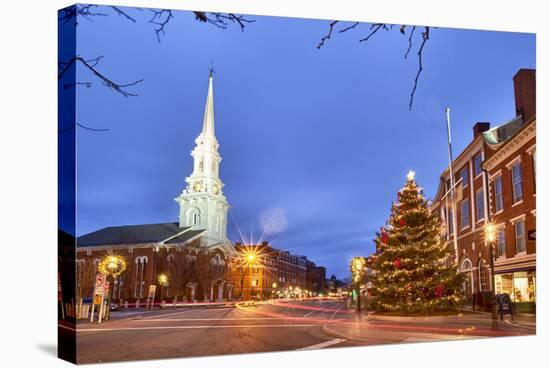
[[202, 202]]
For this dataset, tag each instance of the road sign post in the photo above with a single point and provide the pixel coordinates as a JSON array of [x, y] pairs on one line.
[[98, 295]]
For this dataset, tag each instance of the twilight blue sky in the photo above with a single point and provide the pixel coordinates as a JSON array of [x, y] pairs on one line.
[[325, 135]]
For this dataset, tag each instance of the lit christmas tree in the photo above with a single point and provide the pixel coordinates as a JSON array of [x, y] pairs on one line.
[[413, 268]]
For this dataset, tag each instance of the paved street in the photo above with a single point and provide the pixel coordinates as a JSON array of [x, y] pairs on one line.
[[273, 326]]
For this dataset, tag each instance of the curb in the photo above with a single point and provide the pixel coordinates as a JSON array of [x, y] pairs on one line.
[[333, 333], [373, 316]]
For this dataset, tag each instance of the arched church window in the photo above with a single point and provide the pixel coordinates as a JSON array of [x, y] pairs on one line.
[[196, 219], [141, 263]]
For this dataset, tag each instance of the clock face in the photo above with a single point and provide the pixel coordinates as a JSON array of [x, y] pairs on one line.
[[215, 189], [197, 186]]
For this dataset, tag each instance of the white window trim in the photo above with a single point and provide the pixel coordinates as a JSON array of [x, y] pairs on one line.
[[495, 174], [499, 212], [517, 203], [518, 219], [516, 160], [531, 149]]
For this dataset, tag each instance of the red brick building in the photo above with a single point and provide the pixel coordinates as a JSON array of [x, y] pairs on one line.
[[495, 182], [511, 168], [276, 273]]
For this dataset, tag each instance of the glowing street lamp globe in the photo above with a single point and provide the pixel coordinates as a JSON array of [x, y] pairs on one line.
[[112, 265], [490, 232], [163, 279]]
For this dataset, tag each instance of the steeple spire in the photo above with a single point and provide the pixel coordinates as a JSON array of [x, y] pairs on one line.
[[208, 123]]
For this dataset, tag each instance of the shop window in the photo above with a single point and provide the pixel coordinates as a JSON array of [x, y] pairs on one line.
[[521, 286]]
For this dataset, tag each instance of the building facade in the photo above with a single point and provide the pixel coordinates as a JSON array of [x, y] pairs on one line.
[[495, 182]]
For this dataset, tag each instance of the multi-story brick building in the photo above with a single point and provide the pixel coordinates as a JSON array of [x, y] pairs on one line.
[[275, 273], [493, 171], [512, 190]]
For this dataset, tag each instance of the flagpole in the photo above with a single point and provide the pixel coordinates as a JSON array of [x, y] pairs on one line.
[[451, 173]]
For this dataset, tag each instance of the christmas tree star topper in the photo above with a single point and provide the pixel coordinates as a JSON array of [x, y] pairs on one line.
[[410, 175]]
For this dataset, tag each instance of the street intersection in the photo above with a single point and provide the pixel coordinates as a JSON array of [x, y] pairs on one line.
[[280, 325]]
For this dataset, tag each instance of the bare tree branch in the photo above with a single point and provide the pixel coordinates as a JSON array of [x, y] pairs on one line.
[[410, 40], [82, 126], [374, 28], [83, 10], [122, 13], [327, 37], [221, 20], [348, 28], [91, 64], [161, 18], [425, 38]]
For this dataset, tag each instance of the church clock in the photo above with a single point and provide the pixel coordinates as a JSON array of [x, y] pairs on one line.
[[216, 189]]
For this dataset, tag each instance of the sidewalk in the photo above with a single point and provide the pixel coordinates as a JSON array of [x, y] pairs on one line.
[[382, 329]]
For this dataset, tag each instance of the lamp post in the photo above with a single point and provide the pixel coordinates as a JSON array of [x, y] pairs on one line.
[[357, 271], [111, 266], [273, 287], [490, 238]]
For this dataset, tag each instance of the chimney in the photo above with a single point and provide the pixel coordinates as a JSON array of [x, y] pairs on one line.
[[481, 127], [525, 87], [265, 242]]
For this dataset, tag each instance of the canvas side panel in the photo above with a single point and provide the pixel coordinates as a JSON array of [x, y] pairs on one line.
[[66, 183]]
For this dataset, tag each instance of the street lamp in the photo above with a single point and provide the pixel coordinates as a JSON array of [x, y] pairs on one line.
[[249, 258], [357, 271], [490, 238], [113, 266]]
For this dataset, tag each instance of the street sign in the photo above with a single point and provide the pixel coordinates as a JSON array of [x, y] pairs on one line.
[[532, 235], [99, 282]]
